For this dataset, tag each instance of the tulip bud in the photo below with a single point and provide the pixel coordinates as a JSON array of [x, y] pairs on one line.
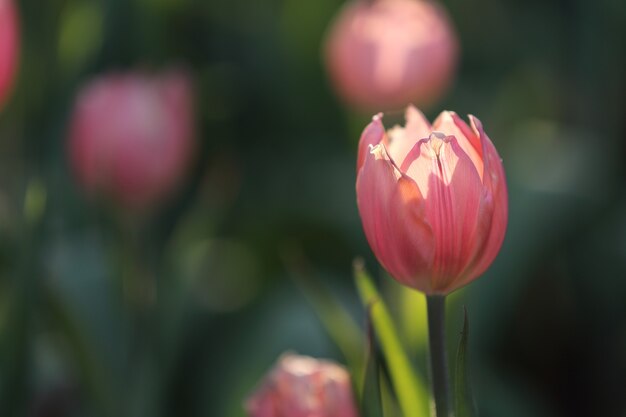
[[387, 53], [9, 44], [432, 199], [301, 386], [131, 136]]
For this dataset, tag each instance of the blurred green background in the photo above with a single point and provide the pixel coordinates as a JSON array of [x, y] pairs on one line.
[[271, 196]]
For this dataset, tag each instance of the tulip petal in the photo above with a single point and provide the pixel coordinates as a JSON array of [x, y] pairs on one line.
[[261, 404], [402, 140], [300, 386], [392, 211], [373, 134], [448, 178], [495, 204], [338, 401], [417, 126], [451, 124]]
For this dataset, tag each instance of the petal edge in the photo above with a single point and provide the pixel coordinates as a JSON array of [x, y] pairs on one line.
[[392, 212]]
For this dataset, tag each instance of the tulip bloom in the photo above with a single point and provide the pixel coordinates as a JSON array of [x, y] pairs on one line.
[[9, 45], [300, 386], [432, 199], [387, 53], [131, 136]]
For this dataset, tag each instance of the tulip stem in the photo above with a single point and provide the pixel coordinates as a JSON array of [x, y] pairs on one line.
[[438, 354]]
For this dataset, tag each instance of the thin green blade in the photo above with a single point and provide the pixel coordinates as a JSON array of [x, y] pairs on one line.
[[464, 402], [371, 401], [408, 386]]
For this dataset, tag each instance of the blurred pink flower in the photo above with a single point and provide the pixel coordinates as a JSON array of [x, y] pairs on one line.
[[131, 136], [384, 54], [301, 386], [433, 199], [9, 45]]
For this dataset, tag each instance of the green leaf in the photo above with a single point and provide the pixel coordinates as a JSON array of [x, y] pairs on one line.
[[464, 402], [371, 401], [409, 387], [413, 317]]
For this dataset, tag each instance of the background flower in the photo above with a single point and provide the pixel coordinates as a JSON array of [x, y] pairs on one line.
[[9, 47], [301, 386], [132, 136], [384, 54]]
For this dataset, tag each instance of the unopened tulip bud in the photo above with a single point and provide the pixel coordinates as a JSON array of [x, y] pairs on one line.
[[9, 46], [432, 199], [301, 386], [383, 54], [132, 136]]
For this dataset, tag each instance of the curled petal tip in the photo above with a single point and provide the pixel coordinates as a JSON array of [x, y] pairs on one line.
[[476, 124], [443, 118], [414, 116], [373, 134], [452, 116], [412, 109], [377, 151], [461, 124], [449, 113]]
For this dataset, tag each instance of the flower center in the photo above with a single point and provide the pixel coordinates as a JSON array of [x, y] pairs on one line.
[[435, 142]]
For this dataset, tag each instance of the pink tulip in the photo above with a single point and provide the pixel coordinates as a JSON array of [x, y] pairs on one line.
[[387, 53], [131, 136], [9, 44], [432, 199], [300, 386]]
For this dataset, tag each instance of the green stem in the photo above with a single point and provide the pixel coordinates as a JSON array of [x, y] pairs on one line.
[[438, 354]]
